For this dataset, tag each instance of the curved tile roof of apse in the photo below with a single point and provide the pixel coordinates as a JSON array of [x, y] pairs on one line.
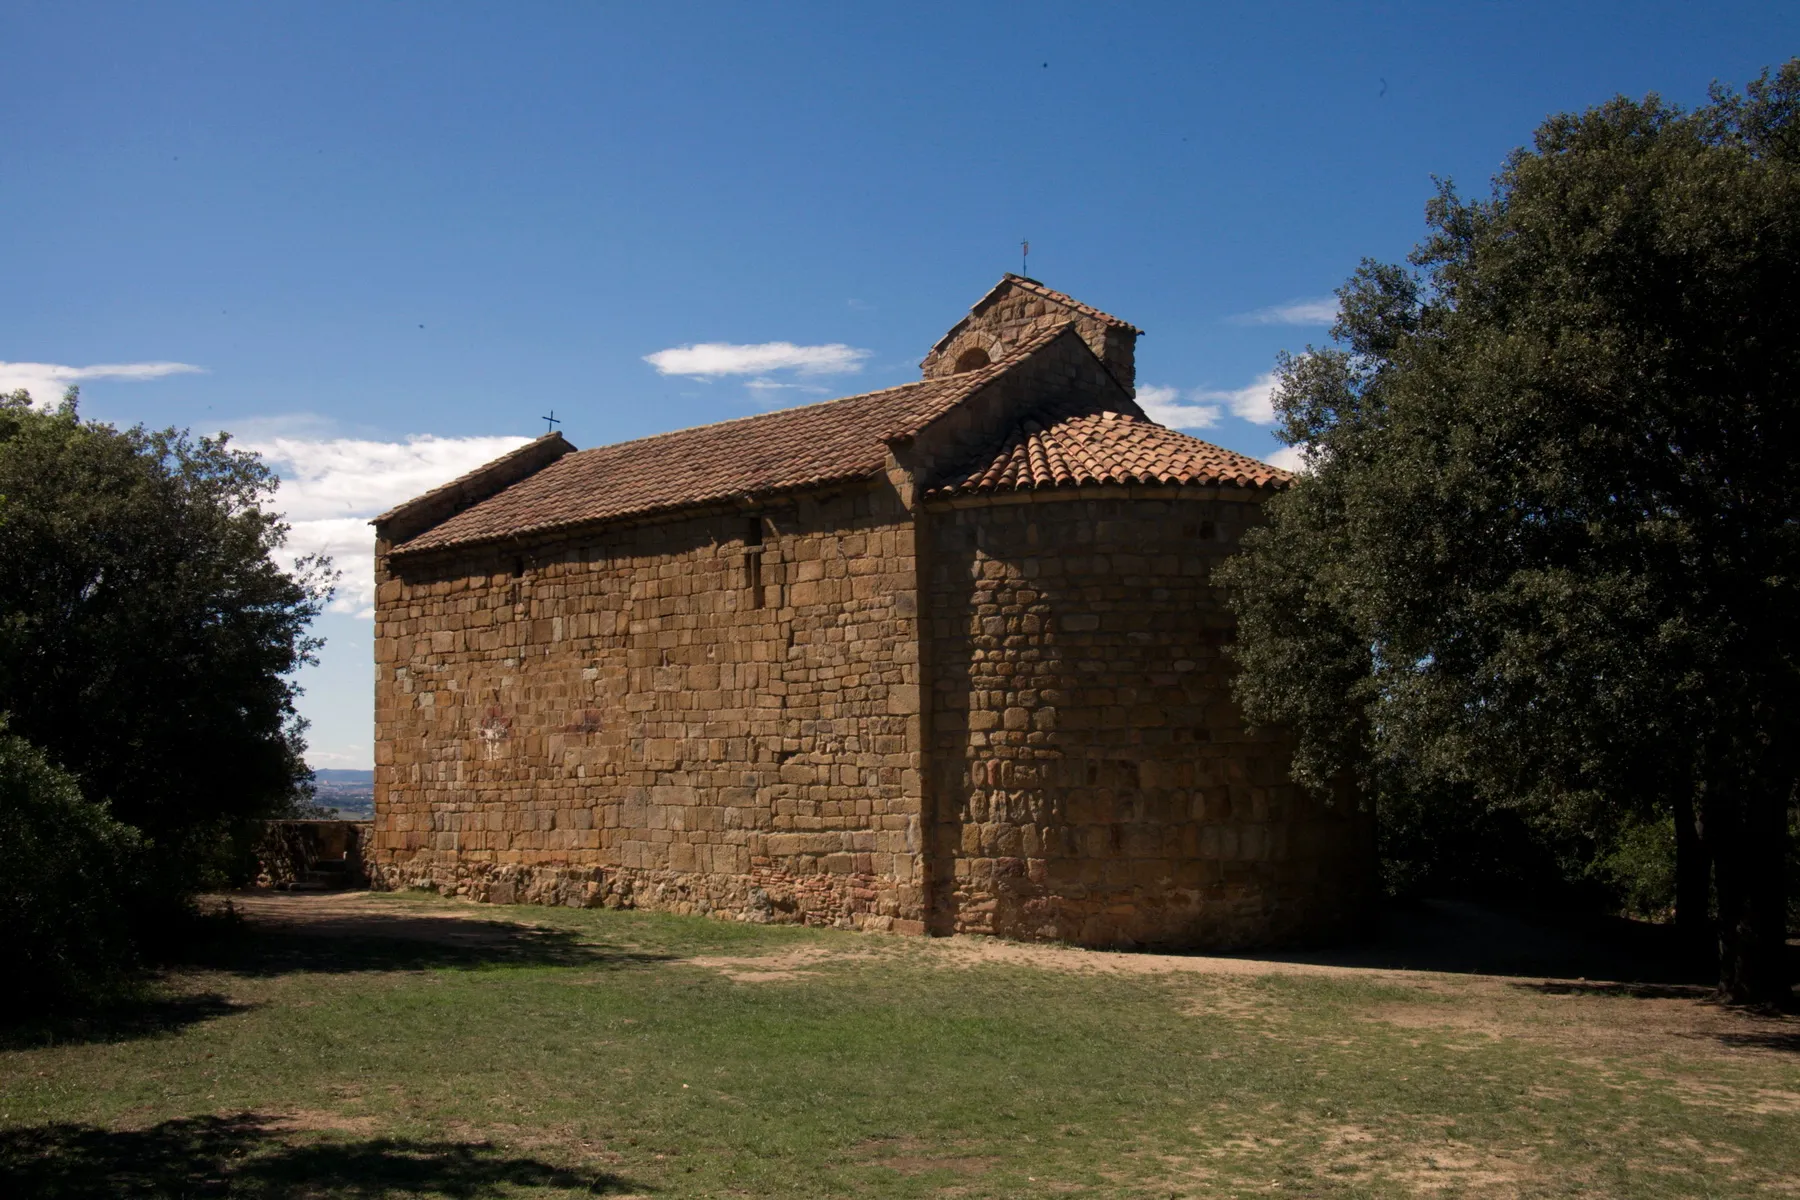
[[1072, 445], [772, 452]]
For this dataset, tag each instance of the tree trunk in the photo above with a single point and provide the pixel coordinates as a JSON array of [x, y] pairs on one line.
[[1693, 871], [1747, 829]]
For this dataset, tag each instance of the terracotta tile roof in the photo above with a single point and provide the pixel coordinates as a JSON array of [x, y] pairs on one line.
[[772, 452], [1078, 444], [545, 446]]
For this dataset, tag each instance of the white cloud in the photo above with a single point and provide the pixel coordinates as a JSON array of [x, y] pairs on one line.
[[1200, 408], [1255, 403], [47, 381], [333, 477], [711, 360], [1164, 406], [330, 487], [350, 544], [1288, 458], [769, 392], [1322, 310]]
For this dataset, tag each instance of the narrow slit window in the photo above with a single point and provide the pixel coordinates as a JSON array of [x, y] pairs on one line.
[[753, 556]]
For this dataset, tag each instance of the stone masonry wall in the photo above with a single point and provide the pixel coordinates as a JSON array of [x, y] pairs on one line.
[[1091, 778], [1017, 315], [667, 715]]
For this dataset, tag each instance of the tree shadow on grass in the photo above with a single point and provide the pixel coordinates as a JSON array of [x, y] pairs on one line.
[[1776, 1033], [249, 1156], [1459, 937], [1787, 1041], [1634, 991], [123, 1019], [357, 942], [342, 943]]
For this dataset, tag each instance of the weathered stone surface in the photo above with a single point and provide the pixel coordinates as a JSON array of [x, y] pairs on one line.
[[314, 853], [630, 708], [1092, 780], [1015, 310]]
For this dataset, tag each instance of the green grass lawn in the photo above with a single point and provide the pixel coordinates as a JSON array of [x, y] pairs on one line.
[[555, 1053]]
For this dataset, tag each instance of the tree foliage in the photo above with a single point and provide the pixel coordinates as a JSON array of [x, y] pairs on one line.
[[68, 871], [1546, 550], [146, 632]]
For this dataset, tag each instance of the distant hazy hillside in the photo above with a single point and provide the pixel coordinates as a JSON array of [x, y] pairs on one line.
[[351, 793]]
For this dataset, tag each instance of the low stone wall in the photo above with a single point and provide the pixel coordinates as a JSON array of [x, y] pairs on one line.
[[291, 853], [762, 897]]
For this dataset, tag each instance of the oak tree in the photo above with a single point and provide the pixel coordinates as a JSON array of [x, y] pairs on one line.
[[1547, 547], [148, 633]]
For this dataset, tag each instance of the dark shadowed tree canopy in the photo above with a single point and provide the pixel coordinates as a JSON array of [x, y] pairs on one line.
[[1547, 548], [68, 876], [145, 631]]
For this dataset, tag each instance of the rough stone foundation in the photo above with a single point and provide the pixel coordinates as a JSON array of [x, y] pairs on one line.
[[761, 898]]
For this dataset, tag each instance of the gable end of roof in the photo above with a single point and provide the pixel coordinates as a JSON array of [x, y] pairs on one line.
[[406, 521], [1024, 283]]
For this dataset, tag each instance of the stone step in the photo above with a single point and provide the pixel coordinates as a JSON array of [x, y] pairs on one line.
[[323, 875]]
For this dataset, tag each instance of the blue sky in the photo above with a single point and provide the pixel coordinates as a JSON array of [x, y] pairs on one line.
[[377, 240]]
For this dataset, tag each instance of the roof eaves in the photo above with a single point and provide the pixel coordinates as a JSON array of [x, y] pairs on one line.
[[1274, 482], [444, 489], [422, 513], [423, 545], [763, 416]]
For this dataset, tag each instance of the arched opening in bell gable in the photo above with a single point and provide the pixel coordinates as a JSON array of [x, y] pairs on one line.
[[971, 359]]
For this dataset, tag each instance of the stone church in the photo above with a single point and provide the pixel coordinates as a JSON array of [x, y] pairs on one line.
[[941, 658]]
